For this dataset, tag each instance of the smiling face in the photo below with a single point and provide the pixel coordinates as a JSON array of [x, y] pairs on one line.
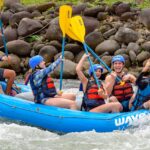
[[118, 66], [42, 65], [98, 73]]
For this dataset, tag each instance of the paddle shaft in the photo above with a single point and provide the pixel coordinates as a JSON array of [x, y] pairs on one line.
[[62, 63], [91, 64], [101, 61]]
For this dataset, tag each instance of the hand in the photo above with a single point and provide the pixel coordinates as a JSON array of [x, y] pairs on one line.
[[126, 78], [62, 59], [59, 93], [5, 58], [114, 75], [85, 56], [147, 66], [101, 92]]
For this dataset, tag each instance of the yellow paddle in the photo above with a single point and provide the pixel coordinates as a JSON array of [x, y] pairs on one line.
[[1, 4], [65, 13], [77, 28], [78, 37]]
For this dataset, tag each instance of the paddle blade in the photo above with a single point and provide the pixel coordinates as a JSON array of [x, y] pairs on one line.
[[65, 13], [1, 4], [77, 27], [70, 33]]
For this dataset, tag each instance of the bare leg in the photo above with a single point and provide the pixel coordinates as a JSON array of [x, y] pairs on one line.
[[67, 96], [110, 107], [10, 76], [113, 99], [61, 102], [131, 100], [1, 90], [147, 105]]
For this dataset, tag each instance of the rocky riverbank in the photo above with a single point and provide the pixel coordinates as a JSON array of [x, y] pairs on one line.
[[116, 29]]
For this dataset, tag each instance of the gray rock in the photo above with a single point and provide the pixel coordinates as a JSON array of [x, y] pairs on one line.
[[19, 47], [28, 26], [132, 56], [78, 9], [10, 35], [69, 70], [68, 55], [146, 46], [107, 46], [15, 19], [97, 36], [48, 52], [122, 8], [133, 47], [126, 35], [143, 56], [73, 47], [144, 17], [109, 33]]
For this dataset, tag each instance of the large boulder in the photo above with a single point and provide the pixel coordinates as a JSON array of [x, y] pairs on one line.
[[97, 36], [5, 17], [73, 47], [10, 35], [67, 55], [8, 3], [28, 26], [15, 19], [146, 46], [122, 8], [143, 56], [69, 70], [48, 52], [53, 32], [19, 47], [126, 35], [90, 24], [144, 17], [78, 9], [109, 46]]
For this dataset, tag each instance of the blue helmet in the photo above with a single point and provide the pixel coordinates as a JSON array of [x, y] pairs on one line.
[[95, 67], [35, 60], [118, 58]]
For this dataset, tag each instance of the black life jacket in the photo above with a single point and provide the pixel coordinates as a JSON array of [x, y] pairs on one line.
[[91, 98], [143, 92]]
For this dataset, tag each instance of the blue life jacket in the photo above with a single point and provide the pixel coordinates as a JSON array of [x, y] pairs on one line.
[[143, 93], [47, 89]]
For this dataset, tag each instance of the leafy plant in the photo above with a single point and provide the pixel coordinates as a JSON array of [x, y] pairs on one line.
[[33, 38]]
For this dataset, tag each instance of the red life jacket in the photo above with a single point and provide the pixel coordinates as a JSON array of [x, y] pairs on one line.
[[122, 92], [92, 91]]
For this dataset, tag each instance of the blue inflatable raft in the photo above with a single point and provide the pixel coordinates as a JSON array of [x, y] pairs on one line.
[[64, 120]]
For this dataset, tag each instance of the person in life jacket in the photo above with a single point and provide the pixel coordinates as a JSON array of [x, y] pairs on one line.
[[43, 87], [120, 92], [94, 98], [142, 98], [7, 74]]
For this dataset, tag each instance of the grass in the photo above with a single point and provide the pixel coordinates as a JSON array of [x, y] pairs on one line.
[[145, 4]]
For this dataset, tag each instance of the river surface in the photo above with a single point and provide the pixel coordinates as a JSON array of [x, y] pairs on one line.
[[15, 136]]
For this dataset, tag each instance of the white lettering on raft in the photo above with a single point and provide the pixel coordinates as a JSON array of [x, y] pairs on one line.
[[129, 119]]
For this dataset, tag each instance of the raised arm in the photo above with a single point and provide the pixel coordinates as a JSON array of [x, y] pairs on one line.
[[38, 77], [79, 71]]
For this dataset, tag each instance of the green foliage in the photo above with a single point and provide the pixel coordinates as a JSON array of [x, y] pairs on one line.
[[144, 4], [33, 38]]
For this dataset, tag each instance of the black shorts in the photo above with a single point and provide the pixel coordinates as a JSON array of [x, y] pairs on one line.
[[2, 74]]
